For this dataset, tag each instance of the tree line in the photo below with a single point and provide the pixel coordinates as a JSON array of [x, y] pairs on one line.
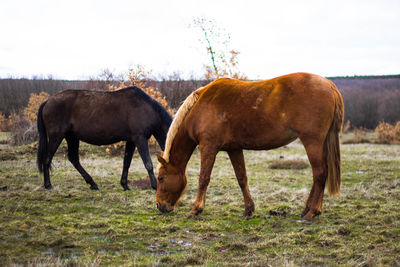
[[368, 100]]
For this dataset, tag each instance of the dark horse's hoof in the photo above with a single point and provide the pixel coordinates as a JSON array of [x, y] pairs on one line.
[[48, 186], [153, 185], [126, 188], [94, 187]]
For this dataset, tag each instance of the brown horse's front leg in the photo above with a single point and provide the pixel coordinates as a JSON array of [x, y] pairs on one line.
[[237, 160], [207, 162]]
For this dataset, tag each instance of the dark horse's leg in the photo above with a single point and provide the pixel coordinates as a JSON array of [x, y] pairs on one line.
[[237, 160], [73, 156], [129, 149], [54, 142], [143, 149]]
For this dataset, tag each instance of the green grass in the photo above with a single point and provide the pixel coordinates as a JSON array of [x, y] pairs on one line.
[[72, 225]]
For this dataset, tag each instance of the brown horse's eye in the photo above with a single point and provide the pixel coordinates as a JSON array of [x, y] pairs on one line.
[[160, 179]]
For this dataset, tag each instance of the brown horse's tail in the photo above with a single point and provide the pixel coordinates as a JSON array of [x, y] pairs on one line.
[[42, 146], [332, 146]]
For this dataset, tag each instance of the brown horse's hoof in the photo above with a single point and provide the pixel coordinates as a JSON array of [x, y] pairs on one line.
[[196, 211], [305, 211], [310, 215], [248, 212]]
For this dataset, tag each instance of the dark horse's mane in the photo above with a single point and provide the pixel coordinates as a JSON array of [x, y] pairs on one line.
[[165, 116]]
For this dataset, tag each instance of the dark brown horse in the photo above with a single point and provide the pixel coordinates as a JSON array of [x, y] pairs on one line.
[[100, 118], [232, 115]]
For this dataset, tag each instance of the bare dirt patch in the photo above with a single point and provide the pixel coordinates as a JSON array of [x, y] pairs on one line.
[[296, 164], [143, 183]]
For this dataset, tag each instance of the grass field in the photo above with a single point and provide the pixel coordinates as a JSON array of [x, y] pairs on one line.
[[72, 225]]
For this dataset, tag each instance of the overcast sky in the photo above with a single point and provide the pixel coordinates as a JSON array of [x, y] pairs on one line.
[[76, 39]]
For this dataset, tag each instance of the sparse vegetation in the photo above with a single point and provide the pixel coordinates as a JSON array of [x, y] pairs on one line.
[[72, 225]]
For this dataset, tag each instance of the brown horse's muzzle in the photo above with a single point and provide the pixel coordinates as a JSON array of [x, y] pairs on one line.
[[163, 208]]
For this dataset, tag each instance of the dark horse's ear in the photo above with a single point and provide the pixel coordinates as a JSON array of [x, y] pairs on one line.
[[161, 159]]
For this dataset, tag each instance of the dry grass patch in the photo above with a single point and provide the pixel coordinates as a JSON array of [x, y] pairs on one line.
[[295, 164], [386, 133], [359, 136]]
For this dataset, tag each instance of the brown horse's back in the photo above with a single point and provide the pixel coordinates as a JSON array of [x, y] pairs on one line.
[[263, 114]]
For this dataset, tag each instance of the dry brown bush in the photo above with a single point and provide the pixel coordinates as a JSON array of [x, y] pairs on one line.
[[4, 127], [386, 133], [35, 100], [397, 131]]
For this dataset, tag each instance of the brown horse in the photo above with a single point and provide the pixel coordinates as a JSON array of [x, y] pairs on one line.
[[100, 118], [232, 115]]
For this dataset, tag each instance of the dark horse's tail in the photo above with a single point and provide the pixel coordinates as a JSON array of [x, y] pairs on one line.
[[42, 147]]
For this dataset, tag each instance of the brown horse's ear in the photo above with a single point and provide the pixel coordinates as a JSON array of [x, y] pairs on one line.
[[161, 159]]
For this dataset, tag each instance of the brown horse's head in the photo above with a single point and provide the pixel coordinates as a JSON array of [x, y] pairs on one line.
[[171, 184]]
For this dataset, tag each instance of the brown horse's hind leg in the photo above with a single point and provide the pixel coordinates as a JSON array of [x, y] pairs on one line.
[[315, 153], [207, 162], [73, 156], [239, 167], [129, 149]]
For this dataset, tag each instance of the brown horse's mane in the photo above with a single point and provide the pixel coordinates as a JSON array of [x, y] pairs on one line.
[[178, 119]]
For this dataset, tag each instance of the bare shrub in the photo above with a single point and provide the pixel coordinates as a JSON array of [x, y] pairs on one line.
[[23, 131], [23, 125], [224, 60], [386, 133]]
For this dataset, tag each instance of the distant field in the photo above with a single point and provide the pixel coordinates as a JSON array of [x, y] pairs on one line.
[[74, 225]]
